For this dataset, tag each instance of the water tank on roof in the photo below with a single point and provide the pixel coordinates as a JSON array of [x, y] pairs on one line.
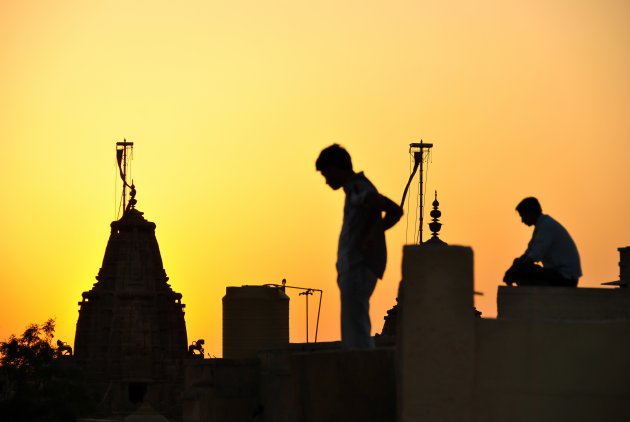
[[254, 318]]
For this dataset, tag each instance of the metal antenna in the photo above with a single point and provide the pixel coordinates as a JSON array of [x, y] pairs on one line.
[[417, 150], [123, 150], [306, 292]]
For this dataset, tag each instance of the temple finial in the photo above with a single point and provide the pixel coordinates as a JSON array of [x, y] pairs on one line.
[[435, 226], [132, 195]]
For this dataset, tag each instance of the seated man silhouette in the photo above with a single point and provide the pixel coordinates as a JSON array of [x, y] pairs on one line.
[[551, 245]]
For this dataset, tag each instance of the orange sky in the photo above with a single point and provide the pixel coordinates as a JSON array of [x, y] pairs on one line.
[[230, 103]]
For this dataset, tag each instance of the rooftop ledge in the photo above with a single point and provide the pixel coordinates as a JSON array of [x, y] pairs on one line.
[[563, 303]]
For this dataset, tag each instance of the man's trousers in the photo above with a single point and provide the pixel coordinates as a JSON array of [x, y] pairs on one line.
[[356, 286]]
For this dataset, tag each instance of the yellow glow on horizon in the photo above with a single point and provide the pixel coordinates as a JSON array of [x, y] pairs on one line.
[[229, 105]]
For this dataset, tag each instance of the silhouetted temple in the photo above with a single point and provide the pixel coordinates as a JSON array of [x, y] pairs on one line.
[[131, 334]]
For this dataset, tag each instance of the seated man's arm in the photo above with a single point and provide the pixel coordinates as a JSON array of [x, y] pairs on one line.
[[538, 246], [524, 259]]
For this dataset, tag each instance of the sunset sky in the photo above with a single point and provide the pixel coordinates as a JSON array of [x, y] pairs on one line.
[[229, 104]]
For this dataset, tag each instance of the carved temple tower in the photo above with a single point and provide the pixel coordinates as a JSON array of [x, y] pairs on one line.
[[131, 333]]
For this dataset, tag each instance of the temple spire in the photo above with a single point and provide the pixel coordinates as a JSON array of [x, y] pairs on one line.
[[131, 331]]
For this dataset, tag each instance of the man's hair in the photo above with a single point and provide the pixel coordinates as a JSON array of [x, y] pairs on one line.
[[334, 156], [530, 204]]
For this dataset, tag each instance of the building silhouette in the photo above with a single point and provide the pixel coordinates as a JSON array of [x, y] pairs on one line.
[[552, 353]]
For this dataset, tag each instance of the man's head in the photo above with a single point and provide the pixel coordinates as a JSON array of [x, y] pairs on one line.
[[529, 209], [335, 164]]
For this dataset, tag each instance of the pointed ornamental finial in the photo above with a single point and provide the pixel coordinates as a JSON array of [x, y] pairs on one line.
[[435, 226], [132, 194]]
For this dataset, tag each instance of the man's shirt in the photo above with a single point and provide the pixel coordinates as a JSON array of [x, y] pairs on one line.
[[552, 245], [362, 238]]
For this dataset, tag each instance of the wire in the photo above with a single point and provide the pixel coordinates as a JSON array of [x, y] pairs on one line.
[[423, 194], [129, 166], [319, 308], [426, 181], [407, 224], [115, 190], [416, 235]]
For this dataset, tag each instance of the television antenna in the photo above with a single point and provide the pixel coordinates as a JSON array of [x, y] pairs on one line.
[[306, 292], [420, 153]]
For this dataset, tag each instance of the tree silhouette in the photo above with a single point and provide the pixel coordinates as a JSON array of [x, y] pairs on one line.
[[36, 384]]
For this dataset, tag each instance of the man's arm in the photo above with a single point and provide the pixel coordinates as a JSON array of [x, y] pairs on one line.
[[524, 259], [392, 210], [540, 244]]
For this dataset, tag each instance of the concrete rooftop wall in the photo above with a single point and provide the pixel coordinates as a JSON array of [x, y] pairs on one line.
[[563, 303], [436, 335], [552, 371], [286, 386]]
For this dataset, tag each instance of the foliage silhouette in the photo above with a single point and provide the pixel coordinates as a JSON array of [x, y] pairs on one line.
[[36, 384]]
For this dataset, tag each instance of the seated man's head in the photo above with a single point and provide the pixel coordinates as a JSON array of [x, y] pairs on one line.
[[335, 164], [529, 209]]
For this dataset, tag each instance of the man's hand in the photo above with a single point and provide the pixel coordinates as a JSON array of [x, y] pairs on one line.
[[523, 259]]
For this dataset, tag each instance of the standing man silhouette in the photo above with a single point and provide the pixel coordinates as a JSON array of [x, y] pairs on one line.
[[552, 245], [362, 253]]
